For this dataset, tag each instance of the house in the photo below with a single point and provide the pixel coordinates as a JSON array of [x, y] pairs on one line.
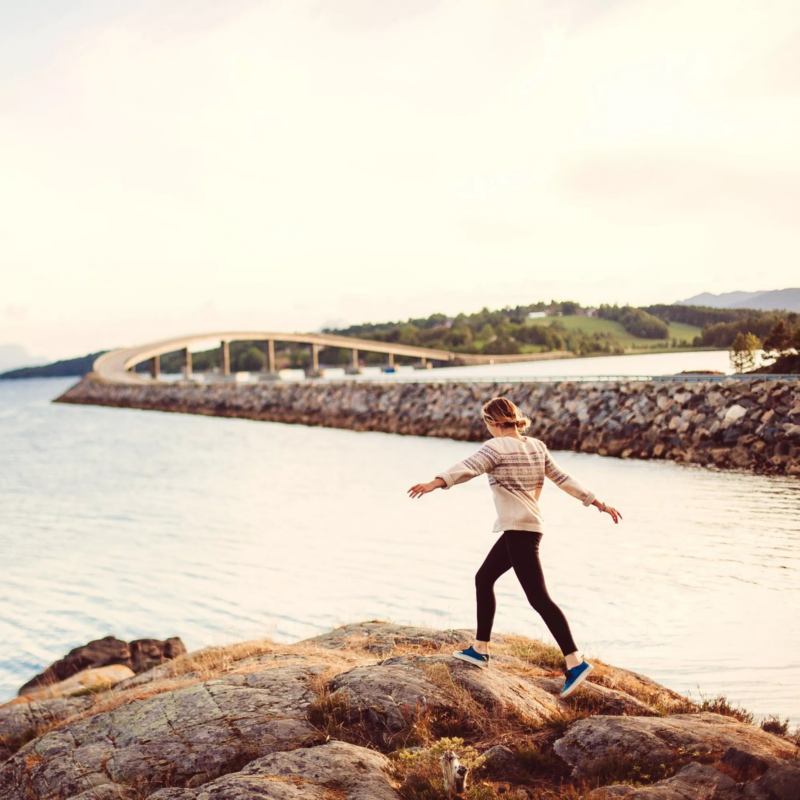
[[536, 314]]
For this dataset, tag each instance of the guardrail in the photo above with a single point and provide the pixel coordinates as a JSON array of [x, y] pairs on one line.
[[573, 378], [427, 377]]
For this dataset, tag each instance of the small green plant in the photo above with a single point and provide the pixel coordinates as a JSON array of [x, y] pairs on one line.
[[620, 768]]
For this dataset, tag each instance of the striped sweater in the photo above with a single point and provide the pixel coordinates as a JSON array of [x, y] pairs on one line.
[[516, 471]]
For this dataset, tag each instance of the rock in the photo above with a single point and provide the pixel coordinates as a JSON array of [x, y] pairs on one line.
[[384, 700], [87, 682], [745, 763], [148, 653], [601, 698], [650, 741], [780, 782], [382, 638], [139, 655], [693, 782], [500, 761], [19, 723], [189, 736], [703, 782], [325, 772], [740, 456], [501, 691]]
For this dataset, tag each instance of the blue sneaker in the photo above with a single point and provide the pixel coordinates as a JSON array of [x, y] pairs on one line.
[[575, 677], [472, 656]]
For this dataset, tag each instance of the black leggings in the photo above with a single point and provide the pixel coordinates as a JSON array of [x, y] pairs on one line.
[[520, 550]]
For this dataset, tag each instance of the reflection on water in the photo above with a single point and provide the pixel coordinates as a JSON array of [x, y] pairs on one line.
[[145, 524]]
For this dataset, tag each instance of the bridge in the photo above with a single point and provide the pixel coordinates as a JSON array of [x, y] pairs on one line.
[[118, 366]]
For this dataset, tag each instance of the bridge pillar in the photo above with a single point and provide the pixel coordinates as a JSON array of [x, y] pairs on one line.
[[355, 358], [269, 347], [314, 357], [423, 361], [155, 367], [391, 360], [226, 358], [187, 363]]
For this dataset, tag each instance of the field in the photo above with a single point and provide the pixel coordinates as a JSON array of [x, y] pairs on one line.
[[683, 333]]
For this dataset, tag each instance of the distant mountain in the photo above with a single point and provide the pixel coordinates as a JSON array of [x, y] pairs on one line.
[[776, 300], [70, 367], [12, 356]]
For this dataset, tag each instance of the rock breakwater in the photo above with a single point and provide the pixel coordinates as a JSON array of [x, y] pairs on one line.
[[365, 712], [751, 424]]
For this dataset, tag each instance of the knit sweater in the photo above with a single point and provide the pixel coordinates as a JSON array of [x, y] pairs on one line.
[[516, 471]]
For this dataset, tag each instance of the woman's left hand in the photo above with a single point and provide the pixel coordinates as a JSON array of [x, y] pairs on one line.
[[420, 489]]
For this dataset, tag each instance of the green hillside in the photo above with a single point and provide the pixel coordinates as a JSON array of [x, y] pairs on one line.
[[679, 332]]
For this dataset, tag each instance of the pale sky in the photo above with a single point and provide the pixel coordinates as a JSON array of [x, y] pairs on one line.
[[178, 166]]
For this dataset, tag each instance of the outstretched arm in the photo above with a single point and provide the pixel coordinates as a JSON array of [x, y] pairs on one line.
[[484, 460], [571, 486]]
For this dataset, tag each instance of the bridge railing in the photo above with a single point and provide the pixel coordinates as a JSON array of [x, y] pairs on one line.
[[428, 377]]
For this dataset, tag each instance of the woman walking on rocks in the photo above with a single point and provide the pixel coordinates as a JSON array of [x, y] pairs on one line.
[[516, 466]]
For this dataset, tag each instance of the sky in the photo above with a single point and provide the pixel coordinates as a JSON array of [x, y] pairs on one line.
[[179, 166]]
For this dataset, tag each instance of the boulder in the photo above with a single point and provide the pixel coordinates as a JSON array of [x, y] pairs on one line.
[[384, 700], [649, 741], [139, 655], [331, 770]]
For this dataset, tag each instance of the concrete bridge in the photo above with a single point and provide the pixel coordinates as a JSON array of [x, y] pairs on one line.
[[118, 365]]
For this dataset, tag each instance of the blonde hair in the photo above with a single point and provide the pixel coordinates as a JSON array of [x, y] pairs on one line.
[[502, 412]]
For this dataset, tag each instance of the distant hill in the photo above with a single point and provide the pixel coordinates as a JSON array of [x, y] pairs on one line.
[[13, 356], [775, 300], [70, 367]]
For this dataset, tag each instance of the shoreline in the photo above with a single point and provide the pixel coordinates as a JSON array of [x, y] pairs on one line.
[[373, 710]]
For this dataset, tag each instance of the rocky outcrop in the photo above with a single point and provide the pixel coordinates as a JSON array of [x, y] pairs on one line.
[[364, 713], [139, 655], [745, 423]]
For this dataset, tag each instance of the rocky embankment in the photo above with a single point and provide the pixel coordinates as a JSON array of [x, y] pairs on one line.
[[737, 423], [366, 711]]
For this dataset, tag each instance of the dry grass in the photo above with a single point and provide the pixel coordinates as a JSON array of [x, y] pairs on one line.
[[721, 705], [464, 725], [776, 725], [542, 655]]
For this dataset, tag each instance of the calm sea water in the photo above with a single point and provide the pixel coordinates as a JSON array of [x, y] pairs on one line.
[[136, 523]]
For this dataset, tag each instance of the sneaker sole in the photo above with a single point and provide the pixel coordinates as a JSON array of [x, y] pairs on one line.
[[462, 657], [578, 681]]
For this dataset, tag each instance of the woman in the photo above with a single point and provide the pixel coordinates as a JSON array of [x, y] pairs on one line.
[[516, 466]]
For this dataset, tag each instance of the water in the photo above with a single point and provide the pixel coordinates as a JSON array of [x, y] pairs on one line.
[[639, 364], [136, 523]]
